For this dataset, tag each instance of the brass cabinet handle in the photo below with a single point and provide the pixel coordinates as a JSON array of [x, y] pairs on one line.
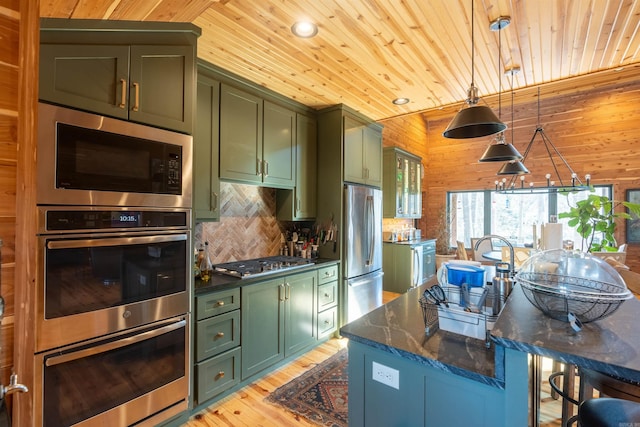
[[220, 335], [326, 295], [288, 294], [326, 322], [258, 167], [136, 105], [220, 375], [214, 201], [266, 168], [123, 93], [219, 303], [281, 292]]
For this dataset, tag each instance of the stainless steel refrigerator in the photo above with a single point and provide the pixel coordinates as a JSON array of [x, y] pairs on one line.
[[362, 239]]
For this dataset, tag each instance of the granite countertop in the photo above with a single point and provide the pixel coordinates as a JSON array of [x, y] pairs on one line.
[[410, 242], [398, 328], [221, 281], [610, 345]]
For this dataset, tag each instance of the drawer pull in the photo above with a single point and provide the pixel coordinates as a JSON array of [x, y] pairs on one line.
[[219, 303], [220, 335], [220, 375], [326, 295], [326, 322]]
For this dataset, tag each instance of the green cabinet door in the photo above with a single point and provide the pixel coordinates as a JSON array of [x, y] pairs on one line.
[[162, 86], [353, 148], [206, 184], [240, 135], [278, 146], [362, 153], [372, 146], [300, 311], [300, 203], [262, 326], [89, 77]]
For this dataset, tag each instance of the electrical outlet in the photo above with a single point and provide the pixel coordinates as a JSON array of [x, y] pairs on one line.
[[386, 375]]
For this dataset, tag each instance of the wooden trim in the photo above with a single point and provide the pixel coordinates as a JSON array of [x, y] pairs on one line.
[[26, 207]]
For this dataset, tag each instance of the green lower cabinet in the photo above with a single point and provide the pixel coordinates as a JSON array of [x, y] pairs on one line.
[[278, 318], [217, 374]]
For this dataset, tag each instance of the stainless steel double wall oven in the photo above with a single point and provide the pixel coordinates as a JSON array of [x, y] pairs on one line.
[[113, 293]]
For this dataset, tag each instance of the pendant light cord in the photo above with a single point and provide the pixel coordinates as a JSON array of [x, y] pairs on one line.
[[473, 44]]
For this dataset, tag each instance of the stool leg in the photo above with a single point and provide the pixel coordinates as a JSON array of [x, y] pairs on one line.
[[568, 384], [555, 368], [536, 381]]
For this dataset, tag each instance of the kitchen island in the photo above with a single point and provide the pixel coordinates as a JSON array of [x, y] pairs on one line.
[[400, 376]]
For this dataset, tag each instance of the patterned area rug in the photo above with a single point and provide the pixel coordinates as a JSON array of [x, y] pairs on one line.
[[320, 394]]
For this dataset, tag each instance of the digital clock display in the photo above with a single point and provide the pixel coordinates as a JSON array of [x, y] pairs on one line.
[[125, 219]]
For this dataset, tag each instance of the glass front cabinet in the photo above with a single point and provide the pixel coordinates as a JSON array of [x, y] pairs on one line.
[[401, 184]]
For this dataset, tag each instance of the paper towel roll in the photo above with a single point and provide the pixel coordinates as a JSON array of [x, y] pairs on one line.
[[552, 236]]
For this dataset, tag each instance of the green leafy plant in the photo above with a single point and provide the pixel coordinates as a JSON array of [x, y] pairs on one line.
[[596, 215]]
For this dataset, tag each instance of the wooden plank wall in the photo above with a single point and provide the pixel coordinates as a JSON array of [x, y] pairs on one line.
[[9, 30], [594, 123]]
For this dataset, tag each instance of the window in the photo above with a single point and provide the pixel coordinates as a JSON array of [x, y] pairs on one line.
[[512, 216]]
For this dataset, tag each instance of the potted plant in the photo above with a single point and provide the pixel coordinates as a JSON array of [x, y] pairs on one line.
[[596, 215], [444, 251]]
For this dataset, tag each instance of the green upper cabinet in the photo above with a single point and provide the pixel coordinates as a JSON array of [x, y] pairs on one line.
[[362, 153], [402, 196], [206, 184], [144, 83], [240, 135], [257, 140], [300, 203], [279, 146], [139, 71]]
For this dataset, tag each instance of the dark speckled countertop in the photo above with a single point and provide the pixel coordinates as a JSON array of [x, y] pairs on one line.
[[398, 328], [221, 281], [610, 345]]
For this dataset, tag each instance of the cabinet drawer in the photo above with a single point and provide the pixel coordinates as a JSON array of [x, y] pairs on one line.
[[327, 322], [327, 295], [217, 303], [327, 274], [217, 374], [217, 334]]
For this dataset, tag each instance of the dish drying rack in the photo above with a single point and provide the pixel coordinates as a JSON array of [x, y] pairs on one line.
[[457, 318]]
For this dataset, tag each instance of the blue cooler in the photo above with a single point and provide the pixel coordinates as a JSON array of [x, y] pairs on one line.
[[457, 274]]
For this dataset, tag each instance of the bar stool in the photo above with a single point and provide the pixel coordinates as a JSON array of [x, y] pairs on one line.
[[608, 412]]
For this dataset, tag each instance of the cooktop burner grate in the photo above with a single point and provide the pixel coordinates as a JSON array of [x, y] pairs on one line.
[[253, 267]]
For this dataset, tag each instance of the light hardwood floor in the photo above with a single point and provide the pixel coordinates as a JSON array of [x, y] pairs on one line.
[[247, 407]]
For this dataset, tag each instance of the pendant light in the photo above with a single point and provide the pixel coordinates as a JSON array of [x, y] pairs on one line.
[[513, 167], [552, 186], [475, 120], [500, 151]]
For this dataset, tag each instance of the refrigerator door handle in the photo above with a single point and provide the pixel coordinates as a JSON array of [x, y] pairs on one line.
[[370, 229]]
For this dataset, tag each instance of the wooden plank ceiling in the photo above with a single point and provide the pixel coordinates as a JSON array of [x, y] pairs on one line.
[[368, 52]]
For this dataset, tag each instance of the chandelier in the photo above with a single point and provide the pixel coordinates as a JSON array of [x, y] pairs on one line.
[[554, 182]]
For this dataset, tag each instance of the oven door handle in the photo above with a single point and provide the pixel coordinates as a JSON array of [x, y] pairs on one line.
[[114, 241], [112, 345]]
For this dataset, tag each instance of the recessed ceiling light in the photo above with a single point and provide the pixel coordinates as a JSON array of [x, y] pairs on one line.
[[401, 101], [304, 29]]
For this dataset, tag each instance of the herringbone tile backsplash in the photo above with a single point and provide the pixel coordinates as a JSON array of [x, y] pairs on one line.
[[248, 227]]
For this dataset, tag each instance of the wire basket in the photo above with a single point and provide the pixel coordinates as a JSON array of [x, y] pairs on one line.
[[430, 316], [559, 295]]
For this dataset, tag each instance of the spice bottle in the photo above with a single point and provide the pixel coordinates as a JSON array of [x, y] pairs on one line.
[[206, 266]]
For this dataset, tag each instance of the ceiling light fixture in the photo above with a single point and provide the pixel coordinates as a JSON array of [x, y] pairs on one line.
[[551, 186], [401, 101], [304, 29], [475, 120], [501, 151]]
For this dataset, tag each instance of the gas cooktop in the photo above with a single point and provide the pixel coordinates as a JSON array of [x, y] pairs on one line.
[[261, 266]]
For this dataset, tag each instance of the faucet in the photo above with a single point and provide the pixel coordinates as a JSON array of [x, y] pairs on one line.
[[13, 387], [511, 253]]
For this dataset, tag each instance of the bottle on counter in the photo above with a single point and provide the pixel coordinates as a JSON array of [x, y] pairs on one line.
[[198, 256], [206, 267]]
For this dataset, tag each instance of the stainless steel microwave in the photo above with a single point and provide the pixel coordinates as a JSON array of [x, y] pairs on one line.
[[88, 159]]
